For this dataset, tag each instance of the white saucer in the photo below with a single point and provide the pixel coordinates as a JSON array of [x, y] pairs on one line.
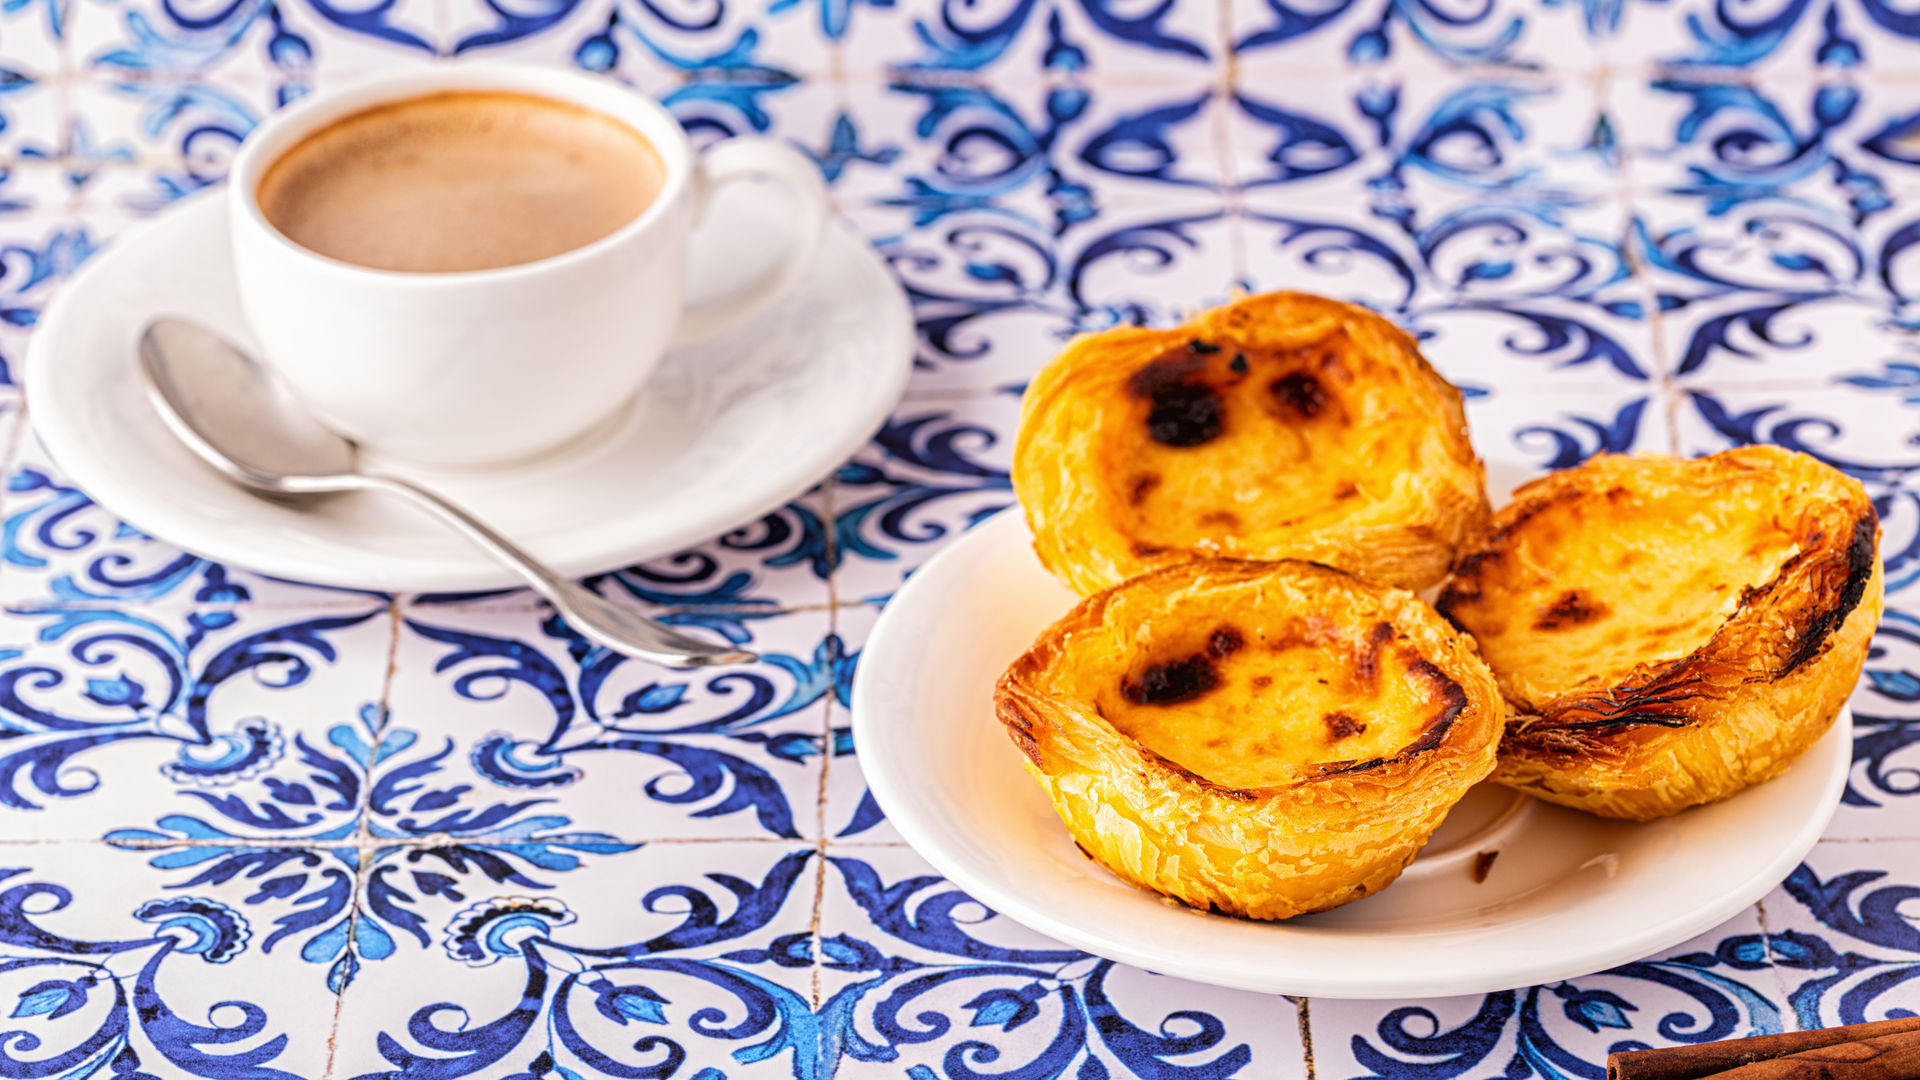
[[723, 433], [1568, 893]]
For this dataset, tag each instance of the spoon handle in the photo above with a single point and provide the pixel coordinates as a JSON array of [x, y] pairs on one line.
[[594, 617]]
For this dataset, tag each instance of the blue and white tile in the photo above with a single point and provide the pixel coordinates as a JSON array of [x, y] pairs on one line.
[[965, 152], [61, 548], [776, 562], [1331, 244], [1141, 144], [1285, 135], [1152, 264], [916, 977], [1014, 39], [113, 968], [938, 468], [179, 134], [1719, 144], [583, 34], [513, 725], [1523, 431], [1843, 937], [161, 725], [848, 812], [1540, 343], [662, 959], [779, 561], [1502, 34], [728, 41], [988, 301], [1883, 788], [1704, 39], [1872, 433], [1720, 985], [1441, 144], [37, 252], [34, 195], [124, 41]]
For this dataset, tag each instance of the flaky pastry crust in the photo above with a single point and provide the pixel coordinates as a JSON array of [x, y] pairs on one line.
[[1257, 739], [1280, 426], [1670, 631]]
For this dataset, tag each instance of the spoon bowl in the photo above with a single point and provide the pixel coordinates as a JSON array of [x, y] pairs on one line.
[[240, 417]]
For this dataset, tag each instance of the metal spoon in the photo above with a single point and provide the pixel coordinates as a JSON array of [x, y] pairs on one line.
[[244, 421]]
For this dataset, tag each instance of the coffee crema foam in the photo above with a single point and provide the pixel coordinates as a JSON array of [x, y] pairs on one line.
[[460, 180]]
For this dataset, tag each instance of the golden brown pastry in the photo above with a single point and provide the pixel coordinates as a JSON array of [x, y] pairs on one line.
[[1258, 739], [1670, 631], [1280, 426]]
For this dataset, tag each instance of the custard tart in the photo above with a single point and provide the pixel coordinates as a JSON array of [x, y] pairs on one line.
[[1670, 631], [1280, 426], [1254, 739]]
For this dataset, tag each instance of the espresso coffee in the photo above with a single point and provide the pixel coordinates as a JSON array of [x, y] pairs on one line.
[[461, 180]]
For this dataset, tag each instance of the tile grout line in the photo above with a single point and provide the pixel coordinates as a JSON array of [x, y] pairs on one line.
[[820, 815], [1224, 157], [1773, 968], [362, 870], [10, 455], [1303, 1016], [1665, 391]]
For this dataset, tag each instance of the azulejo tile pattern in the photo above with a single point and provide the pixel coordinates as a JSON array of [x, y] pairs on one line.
[[251, 828]]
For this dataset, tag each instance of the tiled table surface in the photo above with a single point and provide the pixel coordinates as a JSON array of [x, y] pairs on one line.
[[258, 829]]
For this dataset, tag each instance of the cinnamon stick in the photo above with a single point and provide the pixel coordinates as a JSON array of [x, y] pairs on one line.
[[1887, 1057], [1701, 1060]]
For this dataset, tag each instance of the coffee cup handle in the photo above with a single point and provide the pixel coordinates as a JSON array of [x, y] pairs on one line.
[[750, 158]]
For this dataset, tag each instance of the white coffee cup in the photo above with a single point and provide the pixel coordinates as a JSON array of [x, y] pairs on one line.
[[483, 367]]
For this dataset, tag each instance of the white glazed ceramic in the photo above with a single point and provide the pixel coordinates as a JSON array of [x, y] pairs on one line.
[[489, 366], [1567, 894], [726, 431]]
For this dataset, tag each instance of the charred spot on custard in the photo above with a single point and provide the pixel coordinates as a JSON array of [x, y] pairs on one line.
[[1573, 608], [1172, 682], [1341, 726], [1300, 394], [1182, 412], [1224, 643], [1143, 486], [1185, 415], [1366, 665]]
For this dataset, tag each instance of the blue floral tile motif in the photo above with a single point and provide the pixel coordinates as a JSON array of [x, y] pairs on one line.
[[109, 972], [36, 254], [519, 719], [667, 960], [755, 571], [1725, 143], [1721, 985], [918, 978], [1886, 735], [190, 722], [1845, 951], [1006, 39], [936, 469]]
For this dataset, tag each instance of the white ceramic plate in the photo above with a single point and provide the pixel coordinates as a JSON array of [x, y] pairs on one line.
[[723, 433], [1568, 894]]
